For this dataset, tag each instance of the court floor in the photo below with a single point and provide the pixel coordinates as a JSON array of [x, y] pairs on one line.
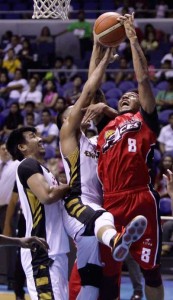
[[126, 289]]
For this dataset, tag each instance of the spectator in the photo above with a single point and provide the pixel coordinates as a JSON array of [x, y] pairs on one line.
[[30, 108], [50, 95], [15, 44], [83, 31], [125, 8], [11, 63], [32, 94], [164, 98], [160, 182], [165, 138], [70, 67], [48, 131], [7, 178], [29, 119], [25, 55], [16, 86], [6, 38], [149, 43], [123, 73], [168, 56], [13, 120], [73, 93], [157, 33], [45, 35], [3, 84], [166, 71], [167, 250], [161, 9], [58, 72]]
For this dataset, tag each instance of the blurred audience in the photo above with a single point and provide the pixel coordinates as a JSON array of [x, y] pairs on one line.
[[164, 98], [165, 137]]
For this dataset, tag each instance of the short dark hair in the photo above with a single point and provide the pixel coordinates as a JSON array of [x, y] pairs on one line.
[[15, 138], [46, 110]]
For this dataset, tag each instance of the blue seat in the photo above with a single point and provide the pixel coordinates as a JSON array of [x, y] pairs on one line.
[[165, 206], [112, 102], [114, 93], [126, 86], [163, 85], [108, 85], [164, 115]]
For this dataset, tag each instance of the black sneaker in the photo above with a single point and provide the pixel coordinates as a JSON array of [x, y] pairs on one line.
[[130, 234]]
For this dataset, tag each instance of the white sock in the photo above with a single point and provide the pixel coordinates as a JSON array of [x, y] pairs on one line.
[[107, 236], [106, 219], [88, 292]]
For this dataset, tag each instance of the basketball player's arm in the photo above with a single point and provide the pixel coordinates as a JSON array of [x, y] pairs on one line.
[[97, 110], [169, 179], [70, 128], [146, 97], [33, 181], [45, 193], [29, 242]]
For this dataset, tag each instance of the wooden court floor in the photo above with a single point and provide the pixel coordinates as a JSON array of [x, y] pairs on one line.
[[126, 289]]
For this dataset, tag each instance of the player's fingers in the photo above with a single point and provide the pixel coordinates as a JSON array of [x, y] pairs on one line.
[[133, 15], [170, 172], [84, 109], [41, 242]]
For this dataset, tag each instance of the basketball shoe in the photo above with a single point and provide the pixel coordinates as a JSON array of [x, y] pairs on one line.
[[121, 242]]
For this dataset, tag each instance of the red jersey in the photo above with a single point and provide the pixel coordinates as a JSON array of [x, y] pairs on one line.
[[126, 149]]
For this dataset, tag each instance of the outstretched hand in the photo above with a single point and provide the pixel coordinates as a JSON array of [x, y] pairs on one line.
[[32, 242], [128, 21], [110, 55], [91, 112]]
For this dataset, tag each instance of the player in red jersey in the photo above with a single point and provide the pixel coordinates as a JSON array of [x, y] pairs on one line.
[[125, 149]]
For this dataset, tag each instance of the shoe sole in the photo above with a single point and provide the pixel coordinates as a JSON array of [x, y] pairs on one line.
[[134, 230]]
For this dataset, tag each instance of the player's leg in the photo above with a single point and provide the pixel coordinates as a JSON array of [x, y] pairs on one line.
[[110, 286], [119, 242], [49, 282], [153, 284], [147, 250], [89, 266], [74, 283]]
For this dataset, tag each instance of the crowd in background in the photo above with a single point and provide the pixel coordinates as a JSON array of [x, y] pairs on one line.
[[36, 99]]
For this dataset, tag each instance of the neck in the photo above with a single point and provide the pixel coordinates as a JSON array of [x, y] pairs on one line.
[[38, 157]]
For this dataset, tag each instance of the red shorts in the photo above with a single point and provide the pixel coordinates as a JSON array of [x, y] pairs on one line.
[[125, 206]]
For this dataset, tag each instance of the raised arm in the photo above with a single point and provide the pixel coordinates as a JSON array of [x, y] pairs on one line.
[[73, 124], [146, 96]]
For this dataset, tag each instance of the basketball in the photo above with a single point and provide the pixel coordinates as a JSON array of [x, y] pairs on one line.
[[108, 30]]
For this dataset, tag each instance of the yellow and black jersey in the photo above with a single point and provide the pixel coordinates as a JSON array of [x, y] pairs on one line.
[[41, 220]]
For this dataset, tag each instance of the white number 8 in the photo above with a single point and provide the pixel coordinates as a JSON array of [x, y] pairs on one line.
[[131, 145], [145, 255]]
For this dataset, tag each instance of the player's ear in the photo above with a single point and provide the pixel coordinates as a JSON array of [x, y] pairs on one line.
[[22, 147]]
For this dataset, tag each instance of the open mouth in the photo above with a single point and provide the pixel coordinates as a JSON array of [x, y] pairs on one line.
[[125, 103]]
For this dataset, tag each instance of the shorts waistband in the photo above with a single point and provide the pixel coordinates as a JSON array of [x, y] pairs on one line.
[[134, 189]]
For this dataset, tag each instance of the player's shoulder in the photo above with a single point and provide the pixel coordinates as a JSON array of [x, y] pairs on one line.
[[28, 162]]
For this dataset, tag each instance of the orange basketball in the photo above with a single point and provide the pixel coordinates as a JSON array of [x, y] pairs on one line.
[[108, 30]]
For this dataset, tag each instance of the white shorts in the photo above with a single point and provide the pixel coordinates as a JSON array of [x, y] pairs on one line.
[[53, 283], [87, 246]]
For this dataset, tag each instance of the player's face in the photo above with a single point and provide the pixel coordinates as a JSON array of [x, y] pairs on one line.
[[34, 144], [129, 102]]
